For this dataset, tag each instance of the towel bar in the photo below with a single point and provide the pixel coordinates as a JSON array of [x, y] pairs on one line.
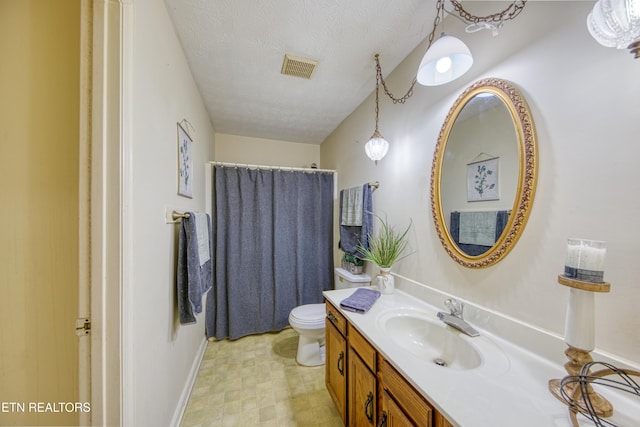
[[178, 216]]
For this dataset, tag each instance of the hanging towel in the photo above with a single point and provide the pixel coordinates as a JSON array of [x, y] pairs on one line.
[[502, 217], [478, 228], [361, 300], [202, 230], [351, 201], [193, 278], [351, 235]]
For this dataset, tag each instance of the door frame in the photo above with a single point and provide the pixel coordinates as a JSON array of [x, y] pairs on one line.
[[109, 241], [84, 206]]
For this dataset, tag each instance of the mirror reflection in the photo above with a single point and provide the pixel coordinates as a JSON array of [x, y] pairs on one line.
[[484, 173], [479, 174]]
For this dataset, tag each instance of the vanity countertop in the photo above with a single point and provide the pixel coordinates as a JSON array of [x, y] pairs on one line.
[[509, 388]]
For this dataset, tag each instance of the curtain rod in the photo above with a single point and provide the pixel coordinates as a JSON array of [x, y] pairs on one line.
[[282, 168]]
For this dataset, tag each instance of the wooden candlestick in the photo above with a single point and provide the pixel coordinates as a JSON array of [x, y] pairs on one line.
[[579, 357]]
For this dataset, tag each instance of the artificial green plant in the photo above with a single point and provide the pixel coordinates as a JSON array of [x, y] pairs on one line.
[[385, 247]]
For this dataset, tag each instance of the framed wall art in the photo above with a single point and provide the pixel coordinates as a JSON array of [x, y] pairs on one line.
[[482, 180], [185, 163]]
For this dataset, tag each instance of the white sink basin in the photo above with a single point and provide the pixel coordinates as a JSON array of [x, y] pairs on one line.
[[424, 336]]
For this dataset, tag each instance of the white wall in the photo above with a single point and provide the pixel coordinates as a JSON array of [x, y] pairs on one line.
[[160, 350], [584, 100], [267, 152]]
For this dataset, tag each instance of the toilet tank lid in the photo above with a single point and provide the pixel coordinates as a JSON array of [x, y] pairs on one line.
[[355, 278]]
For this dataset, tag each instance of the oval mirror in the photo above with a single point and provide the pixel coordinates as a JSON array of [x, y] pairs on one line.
[[484, 173]]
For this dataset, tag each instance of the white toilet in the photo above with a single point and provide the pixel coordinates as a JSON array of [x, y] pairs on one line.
[[308, 321]]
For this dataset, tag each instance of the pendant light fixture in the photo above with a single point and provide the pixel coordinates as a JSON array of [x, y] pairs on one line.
[[616, 23], [377, 146], [445, 60]]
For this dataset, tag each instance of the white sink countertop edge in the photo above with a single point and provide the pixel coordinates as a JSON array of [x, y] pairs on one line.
[[502, 394]]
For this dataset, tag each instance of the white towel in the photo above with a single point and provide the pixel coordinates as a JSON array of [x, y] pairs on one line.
[[478, 228], [352, 199], [202, 230]]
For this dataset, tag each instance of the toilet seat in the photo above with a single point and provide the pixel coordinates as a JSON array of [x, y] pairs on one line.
[[310, 316]]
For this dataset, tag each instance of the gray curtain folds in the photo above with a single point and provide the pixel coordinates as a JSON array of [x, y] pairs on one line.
[[273, 248]]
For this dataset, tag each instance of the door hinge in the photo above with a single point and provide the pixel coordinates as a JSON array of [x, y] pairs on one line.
[[83, 326]]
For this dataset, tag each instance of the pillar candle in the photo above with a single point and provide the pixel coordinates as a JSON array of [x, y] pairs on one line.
[[585, 260]]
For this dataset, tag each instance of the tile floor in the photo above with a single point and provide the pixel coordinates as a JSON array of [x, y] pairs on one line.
[[255, 381]]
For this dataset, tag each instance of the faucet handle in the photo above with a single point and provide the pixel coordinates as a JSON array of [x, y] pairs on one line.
[[455, 307]]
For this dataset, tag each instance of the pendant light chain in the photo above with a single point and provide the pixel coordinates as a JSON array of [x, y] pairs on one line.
[[403, 99], [378, 74], [510, 12], [380, 79]]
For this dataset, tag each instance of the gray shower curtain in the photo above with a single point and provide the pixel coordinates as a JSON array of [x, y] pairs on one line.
[[273, 247]]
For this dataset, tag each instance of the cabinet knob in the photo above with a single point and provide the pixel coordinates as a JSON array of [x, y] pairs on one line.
[[332, 317]]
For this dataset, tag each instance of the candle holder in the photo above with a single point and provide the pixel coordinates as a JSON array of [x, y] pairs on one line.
[[579, 336]]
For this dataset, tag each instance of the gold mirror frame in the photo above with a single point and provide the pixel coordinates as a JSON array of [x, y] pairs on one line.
[[527, 176]]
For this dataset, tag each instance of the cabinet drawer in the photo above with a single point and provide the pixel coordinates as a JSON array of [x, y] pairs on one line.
[[411, 402], [362, 347], [338, 320]]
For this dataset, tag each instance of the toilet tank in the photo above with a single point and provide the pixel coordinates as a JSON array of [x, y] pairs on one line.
[[345, 280]]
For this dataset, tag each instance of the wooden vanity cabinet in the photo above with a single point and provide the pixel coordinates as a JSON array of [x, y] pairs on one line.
[[336, 359], [366, 389]]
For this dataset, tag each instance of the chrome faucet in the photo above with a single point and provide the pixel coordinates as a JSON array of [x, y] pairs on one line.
[[455, 307], [455, 319]]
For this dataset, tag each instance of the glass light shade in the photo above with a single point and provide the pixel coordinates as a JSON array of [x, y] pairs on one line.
[[432, 74], [377, 147], [615, 23]]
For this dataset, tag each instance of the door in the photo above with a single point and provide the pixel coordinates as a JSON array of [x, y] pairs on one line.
[[392, 415], [39, 199], [336, 365], [362, 392]]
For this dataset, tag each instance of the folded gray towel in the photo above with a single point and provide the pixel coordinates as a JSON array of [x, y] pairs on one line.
[[361, 300]]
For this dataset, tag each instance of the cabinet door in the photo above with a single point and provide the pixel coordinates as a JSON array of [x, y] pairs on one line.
[[441, 421], [336, 365], [406, 397], [392, 415], [362, 393]]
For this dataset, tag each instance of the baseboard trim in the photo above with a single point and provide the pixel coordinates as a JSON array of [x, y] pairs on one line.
[[186, 391]]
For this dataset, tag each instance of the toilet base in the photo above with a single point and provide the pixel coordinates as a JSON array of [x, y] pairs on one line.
[[311, 351]]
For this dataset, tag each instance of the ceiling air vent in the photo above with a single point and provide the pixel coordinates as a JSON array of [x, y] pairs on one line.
[[298, 67]]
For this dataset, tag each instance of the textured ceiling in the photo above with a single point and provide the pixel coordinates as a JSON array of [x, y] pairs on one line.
[[235, 49]]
